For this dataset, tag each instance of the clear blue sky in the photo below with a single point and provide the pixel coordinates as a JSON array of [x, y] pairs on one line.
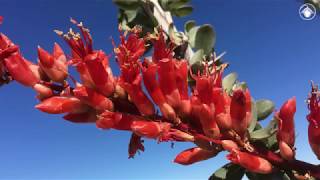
[[267, 43]]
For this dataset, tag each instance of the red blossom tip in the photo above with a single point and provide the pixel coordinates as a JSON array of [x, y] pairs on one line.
[[193, 155], [251, 162], [46, 59], [59, 105]]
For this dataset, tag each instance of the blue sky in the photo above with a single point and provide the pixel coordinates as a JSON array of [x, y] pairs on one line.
[[267, 44]]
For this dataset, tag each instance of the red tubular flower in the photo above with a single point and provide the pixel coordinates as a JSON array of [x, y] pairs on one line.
[[314, 120], [55, 65], [60, 105], [130, 50], [150, 129], [102, 79], [149, 71], [1, 19], [204, 88], [161, 51], [5, 42], [130, 80], [135, 145], [167, 82], [115, 120], [177, 135], [222, 108], [128, 53], [194, 155], [92, 65], [43, 91], [240, 110], [93, 98], [205, 114], [251, 162], [20, 70], [181, 75], [85, 76], [229, 145], [286, 133]]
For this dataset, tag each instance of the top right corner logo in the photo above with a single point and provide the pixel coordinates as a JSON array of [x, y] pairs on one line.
[[307, 11]]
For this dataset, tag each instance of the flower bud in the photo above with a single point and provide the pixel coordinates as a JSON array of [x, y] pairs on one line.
[[314, 120], [137, 95], [167, 82], [150, 129], [149, 71], [55, 65], [103, 80], [177, 135], [222, 108], [229, 145], [205, 115], [43, 91], [161, 50], [60, 105], [240, 110], [286, 133], [314, 139], [251, 162], [93, 98], [194, 155], [286, 151], [20, 71], [114, 120]]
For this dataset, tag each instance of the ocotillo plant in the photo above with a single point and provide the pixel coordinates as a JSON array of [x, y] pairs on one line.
[[166, 92]]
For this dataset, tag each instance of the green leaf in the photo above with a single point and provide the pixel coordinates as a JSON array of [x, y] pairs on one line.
[[265, 132], [188, 25], [272, 142], [182, 11], [228, 81], [131, 15], [254, 118], [265, 108], [274, 176], [127, 5], [202, 37], [197, 57], [176, 4], [228, 172]]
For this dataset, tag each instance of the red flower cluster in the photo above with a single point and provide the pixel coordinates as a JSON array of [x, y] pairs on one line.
[[204, 114], [314, 120]]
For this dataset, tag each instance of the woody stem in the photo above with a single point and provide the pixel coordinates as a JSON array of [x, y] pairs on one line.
[[297, 165]]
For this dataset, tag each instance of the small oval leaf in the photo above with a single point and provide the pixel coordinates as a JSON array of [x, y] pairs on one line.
[[205, 38], [254, 118], [197, 57], [182, 11], [188, 25], [265, 108], [228, 81], [264, 133], [228, 172], [127, 5]]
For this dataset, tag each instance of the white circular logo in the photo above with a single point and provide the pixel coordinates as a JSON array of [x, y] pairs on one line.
[[307, 11]]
